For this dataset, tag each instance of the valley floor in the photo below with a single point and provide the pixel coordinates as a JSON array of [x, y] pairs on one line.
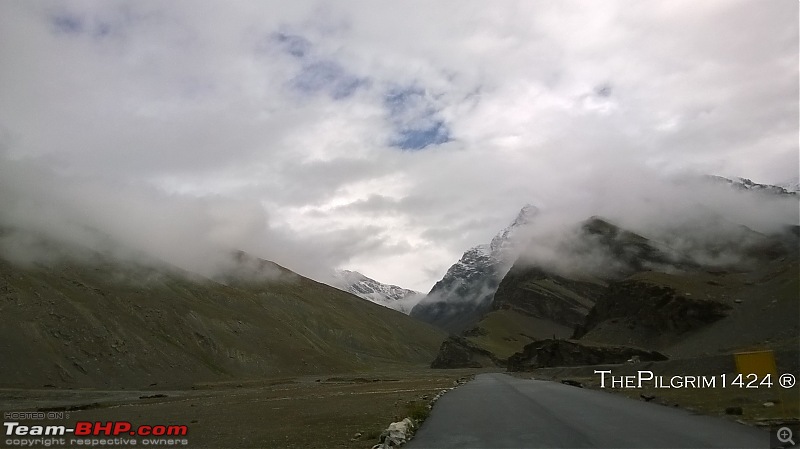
[[324, 411], [331, 410]]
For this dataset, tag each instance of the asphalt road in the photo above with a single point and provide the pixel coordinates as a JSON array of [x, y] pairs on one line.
[[500, 411]]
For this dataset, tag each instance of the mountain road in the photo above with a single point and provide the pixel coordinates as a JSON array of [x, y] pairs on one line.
[[501, 411]]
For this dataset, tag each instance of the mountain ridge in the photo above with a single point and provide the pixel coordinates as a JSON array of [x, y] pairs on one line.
[[109, 323], [387, 295]]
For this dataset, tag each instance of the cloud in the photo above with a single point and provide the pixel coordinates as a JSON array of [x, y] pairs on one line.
[[677, 223], [375, 137]]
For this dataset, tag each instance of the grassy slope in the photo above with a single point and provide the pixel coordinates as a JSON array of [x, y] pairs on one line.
[[766, 317], [532, 305], [508, 331], [764, 309], [110, 324]]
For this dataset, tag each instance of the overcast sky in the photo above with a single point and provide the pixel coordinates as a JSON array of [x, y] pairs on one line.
[[384, 137]]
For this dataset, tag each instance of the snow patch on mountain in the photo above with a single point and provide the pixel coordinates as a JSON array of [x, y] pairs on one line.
[[391, 296], [788, 188]]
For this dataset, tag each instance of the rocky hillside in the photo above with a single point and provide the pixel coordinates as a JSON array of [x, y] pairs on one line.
[[707, 311], [99, 322], [565, 298], [465, 293], [533, 303], [387, 295], [549, 353], [534, 292], [648, 302], [650, 296]]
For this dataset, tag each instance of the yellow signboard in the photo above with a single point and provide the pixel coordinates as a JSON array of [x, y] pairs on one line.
[[760, 363]]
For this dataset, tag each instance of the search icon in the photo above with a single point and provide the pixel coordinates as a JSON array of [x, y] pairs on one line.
[[785, 435]]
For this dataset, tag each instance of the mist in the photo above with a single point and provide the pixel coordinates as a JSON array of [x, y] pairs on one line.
[[50, 217], [689, 221]]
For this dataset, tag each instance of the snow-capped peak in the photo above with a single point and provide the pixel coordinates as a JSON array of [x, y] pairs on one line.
[[502, 251], [391, 296], [466, 290]]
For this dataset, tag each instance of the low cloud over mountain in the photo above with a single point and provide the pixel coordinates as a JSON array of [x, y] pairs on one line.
[[360, 135]]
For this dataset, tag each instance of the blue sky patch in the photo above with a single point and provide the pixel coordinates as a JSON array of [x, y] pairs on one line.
[[418, 138], [328, 77], [415, 119], [317, 75]]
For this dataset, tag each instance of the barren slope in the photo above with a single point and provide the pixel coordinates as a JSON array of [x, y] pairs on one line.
[[107, 323]]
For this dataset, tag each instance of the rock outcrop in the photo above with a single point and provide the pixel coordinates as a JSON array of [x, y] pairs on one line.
[[654, 308], [458, 352], [537, 293], [549, 353]]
